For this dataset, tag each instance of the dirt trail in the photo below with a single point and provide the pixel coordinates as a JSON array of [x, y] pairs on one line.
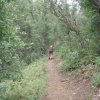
[[70, 88]]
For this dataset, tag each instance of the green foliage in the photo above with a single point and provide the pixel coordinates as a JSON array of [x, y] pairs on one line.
[[97, 61], [71, 61], [8, 44], [28, 27], [71, 58], [96, 79], [79, 49], [30, 87], [22, 36]]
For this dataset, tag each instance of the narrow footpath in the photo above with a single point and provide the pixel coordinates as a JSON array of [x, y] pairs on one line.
[[69, 88]]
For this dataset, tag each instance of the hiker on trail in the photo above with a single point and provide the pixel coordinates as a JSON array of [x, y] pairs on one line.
[[50, 52]]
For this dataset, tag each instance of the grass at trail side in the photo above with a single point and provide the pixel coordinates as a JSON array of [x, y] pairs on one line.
[[31, 87]]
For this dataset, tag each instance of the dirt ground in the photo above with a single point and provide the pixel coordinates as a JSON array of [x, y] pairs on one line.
[[68, 88]]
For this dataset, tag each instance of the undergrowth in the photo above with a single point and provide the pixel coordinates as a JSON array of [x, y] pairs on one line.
[[32, 84], [82, 63]]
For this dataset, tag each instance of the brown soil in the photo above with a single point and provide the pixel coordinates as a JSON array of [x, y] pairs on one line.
[[69, 88]]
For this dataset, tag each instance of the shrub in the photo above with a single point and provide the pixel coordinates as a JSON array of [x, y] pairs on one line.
[[97, 61], [31, 86], [96, 79], [71, 61]]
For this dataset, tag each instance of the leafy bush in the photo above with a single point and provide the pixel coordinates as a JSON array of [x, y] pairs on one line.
[[31, 86], [76, 58], [71, 61], [96, 79], [86, 57], [11, 68], [30, 57], [62, 50], [97, 61]]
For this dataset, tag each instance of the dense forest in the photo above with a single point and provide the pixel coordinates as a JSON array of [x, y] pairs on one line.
[[29, 27]]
